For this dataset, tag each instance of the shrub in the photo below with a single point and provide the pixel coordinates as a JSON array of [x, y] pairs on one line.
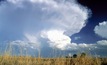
[[75, 56]]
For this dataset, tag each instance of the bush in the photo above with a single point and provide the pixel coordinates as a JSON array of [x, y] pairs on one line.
[[75, 56]]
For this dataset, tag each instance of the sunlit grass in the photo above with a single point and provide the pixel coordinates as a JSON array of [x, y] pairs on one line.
[[27, 60], [80, 59]]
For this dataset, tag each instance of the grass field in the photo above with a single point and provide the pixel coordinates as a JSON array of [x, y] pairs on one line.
[[80, 59], [27, 60]]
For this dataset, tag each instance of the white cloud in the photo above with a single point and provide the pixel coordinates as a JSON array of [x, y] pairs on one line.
[[102, 42], [24, 44], [60, 19], [20, 43], [30, 41], [101, 29], [56, 38], [31, 38], [76, 38], [96, 48], [33, 41]]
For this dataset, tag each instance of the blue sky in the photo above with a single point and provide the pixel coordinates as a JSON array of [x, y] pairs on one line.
[[65, 25]]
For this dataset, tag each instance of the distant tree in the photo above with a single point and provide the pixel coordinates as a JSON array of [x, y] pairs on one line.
[[83, 54], [75, 56]]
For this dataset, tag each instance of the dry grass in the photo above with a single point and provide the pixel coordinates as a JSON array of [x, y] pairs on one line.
[[27, 60], [7, 59]]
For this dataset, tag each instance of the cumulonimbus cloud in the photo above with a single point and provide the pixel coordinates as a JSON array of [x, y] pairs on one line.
[[50, 20]]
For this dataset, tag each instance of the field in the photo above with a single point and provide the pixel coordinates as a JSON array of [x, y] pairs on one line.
[[27, 60], [76, 59]]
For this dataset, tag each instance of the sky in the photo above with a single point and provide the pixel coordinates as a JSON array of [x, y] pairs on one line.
[[54, 27]]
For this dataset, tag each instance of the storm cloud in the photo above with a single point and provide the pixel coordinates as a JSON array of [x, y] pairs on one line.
[[40, 24]]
